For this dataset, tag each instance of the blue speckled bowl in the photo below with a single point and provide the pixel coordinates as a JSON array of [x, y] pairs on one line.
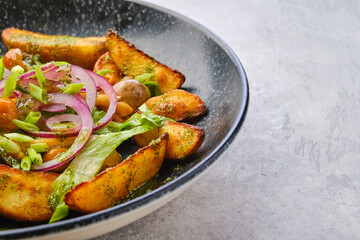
[[211, 68]]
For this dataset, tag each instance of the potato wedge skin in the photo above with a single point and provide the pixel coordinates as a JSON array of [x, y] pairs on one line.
[[111, 161], [105, 62], [177, 104], [24, 196], [184, 139], [83, 52], [133, 62], [115, 183]]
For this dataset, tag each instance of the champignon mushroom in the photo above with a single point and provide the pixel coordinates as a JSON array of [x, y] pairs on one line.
[[132, 92]]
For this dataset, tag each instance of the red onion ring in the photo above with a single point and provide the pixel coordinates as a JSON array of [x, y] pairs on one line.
[[110, 92], [84, 134], [43, 69], [53, 108], [75, 119], [56, 73], [108, 89], [52, 73], [58, 102], [80, 73], [16, 93], [41, 123], [28, 77], [2, 86], [78, 96], [6, 74]]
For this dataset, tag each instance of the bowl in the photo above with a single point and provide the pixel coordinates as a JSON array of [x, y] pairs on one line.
[[212, 71]]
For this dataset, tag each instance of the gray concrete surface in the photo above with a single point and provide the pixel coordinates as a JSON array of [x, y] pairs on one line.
[[293, 170]]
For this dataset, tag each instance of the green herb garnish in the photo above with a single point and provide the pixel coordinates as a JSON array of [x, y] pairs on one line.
[[73, 88], [103, 72]]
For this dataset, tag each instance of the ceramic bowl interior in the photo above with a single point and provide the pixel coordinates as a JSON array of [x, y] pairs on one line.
[[212, 71]]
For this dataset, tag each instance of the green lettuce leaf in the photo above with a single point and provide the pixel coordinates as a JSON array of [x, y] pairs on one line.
[[89, 161], [148, 80]]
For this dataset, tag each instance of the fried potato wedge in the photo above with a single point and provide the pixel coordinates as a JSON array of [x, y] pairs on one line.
[[111, 161], [83, 52], [177, 104], [115, 183], [24, 196], [133, 62], [105, 62], [184, 139]]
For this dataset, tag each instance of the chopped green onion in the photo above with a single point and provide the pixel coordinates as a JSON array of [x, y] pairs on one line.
[[34, 156], [19, 137], [21, 89], [73, 88], [18, 69], [61, 211], [38, 93], [40, 147], [25, 163], [40, 76], [6, 158], [2, 68], [40, 161], [25, 126], [9, 145], [89, 161], [10, 83], [33, 117], [103, 72], [59, 63], [144, 77]]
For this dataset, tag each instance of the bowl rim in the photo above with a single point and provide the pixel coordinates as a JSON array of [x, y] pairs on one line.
[[88, 219]]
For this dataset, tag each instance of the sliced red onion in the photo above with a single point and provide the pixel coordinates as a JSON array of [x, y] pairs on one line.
[[78, 96], [2, 86], [6, 74], [54, 74], [110, 92], [25, 82], [28, 77], [43, 69], [84, 89], [41, 123], [18, 94], [84, 134], [53, 108], [54, 134], [72, 118], [82, 74], [58, 72]]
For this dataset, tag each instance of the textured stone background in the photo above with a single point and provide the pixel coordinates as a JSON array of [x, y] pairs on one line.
[[293, 171]]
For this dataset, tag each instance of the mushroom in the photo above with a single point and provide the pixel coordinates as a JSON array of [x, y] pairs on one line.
[[132, 92]]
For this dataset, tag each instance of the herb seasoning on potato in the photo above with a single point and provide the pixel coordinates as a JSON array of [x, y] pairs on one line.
[[67, 103]]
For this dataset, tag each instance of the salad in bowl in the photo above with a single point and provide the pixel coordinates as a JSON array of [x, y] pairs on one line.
[[66, 105]]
